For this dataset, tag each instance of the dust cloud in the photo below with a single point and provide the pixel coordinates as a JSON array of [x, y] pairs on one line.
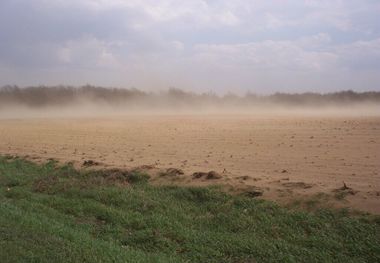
[[91, 101]]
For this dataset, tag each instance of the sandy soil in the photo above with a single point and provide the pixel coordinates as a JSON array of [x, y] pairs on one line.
[[287, 158]]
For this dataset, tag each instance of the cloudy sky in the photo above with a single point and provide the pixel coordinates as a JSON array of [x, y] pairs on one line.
[[200, 45]]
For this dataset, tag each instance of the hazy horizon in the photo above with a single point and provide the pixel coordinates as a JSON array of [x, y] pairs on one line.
[[201, 46], [90, 101]]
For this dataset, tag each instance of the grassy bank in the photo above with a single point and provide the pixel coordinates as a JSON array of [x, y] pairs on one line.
[[51, 213]]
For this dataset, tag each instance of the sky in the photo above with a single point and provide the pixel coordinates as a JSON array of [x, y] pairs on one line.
[[196, 45]]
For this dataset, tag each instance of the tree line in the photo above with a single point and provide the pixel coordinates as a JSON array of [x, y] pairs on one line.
[[40, 96]]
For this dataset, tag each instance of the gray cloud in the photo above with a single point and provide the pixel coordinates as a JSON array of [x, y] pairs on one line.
[[204, 45]]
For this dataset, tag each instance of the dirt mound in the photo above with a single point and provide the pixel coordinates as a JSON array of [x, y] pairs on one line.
[[301, 185], [89, 163], [171, 172], [342, 192], [143, 168], [212, 175]]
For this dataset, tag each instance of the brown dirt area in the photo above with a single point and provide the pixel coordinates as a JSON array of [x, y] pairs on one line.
[[286, 158]]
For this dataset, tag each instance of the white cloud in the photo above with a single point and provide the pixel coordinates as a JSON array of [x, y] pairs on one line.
[[87, 52], [360, 55], [269, 55]]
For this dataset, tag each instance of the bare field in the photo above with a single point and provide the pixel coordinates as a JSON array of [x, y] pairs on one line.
[[287, 158]]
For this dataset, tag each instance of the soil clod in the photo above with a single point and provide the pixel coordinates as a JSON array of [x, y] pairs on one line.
[[172, 172], [88, 163], [297, 185], [254, 193], [212, 175]]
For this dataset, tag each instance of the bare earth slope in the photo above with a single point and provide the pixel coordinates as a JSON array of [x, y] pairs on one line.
[[286, 157]]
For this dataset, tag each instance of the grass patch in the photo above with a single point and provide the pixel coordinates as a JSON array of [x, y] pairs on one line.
[[51, 213]]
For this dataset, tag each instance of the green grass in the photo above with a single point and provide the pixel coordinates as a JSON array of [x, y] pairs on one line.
[[50, 213]]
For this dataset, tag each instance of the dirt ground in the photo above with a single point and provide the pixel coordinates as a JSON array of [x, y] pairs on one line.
[[285, 158]]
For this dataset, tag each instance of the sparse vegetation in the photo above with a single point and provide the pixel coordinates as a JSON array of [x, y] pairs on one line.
[[52, 213]]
